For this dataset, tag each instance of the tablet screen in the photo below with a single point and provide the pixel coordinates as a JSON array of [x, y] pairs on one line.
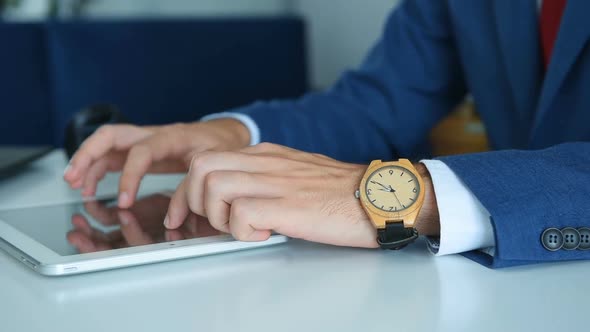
[[75, 228]]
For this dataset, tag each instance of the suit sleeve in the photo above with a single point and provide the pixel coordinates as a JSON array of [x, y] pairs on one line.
[[527, 192], [408, 82]]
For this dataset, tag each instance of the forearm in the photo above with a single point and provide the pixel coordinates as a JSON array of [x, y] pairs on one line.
[[321, 123]]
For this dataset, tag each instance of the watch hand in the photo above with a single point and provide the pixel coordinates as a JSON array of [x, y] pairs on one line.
[[375, 182], [400, 203], [391, 189]]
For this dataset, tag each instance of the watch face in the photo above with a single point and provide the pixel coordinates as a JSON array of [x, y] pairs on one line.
[[392, 188]]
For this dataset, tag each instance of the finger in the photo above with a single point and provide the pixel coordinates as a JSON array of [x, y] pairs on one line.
[[95, 173], [112, 161], [105, 139], [205, 163], [141, 157], [131, 229], [223, 187], [178, 209], [249, 220]]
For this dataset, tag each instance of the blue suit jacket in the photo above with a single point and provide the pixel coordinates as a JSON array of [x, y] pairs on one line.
[[430, 55]]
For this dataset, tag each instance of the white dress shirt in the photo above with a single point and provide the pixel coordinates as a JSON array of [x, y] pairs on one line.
[[464, 223]]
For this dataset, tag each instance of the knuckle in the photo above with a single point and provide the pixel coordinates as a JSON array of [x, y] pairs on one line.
[[139, 150], [199, 162], [106, 132], [265, 146], [213, 182], [105, 129], [240, 211]]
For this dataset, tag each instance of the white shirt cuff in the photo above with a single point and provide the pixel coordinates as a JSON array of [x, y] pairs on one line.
[[464, 223], [243, 118]]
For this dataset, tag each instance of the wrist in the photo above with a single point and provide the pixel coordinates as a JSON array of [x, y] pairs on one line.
[[428, 221], [234, 132]]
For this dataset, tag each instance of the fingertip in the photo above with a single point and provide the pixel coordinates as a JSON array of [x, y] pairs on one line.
[[172, 222], [125, 200], [88, 192], [167, 221], [77, 184], [67, 171], [260, 235], [71, 172]]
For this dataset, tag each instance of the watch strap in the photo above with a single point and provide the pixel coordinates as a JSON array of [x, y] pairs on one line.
[[395, 236]]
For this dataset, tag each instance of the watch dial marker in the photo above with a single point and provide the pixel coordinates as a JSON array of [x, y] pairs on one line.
[[394, 193]]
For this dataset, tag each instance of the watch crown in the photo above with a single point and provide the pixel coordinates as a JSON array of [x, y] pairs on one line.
[[357, 194]]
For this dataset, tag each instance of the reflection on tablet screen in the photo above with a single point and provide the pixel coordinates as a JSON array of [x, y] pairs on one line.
[[99, 225]]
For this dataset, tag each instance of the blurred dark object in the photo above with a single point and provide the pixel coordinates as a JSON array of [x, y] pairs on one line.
[[85, 122], [157, 71], [8, 3]]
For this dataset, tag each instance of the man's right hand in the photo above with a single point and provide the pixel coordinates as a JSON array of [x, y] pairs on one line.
[[137, 151]]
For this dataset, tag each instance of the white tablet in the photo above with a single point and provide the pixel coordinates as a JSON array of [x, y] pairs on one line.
[[95, 235]]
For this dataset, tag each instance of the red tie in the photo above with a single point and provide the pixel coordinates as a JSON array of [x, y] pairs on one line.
[[551, 12]]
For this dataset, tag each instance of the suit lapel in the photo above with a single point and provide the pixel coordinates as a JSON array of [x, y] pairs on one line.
[[518, 37], [574, 32]]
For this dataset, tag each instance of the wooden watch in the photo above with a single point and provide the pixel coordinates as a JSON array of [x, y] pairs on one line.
[[392, 194]]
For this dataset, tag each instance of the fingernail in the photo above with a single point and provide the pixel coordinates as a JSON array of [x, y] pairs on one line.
[[67, 169], [123, 199], [167, 222]]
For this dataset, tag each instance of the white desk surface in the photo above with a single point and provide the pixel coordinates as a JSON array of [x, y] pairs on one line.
[[298, 286]]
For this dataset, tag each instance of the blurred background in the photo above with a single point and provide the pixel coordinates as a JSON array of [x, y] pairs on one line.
[[177, 60], [338, 36]]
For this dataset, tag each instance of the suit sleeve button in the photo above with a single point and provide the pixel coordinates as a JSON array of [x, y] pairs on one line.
[[571, 238], [584, 238], [552, 239]]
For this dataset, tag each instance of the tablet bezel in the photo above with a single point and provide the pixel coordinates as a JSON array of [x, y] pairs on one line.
[[46, 261]]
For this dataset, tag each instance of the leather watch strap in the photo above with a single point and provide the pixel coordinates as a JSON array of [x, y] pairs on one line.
[[395, 236]]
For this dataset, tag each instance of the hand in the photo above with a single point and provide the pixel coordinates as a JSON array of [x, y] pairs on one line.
[[140, 150], [265, 188]]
